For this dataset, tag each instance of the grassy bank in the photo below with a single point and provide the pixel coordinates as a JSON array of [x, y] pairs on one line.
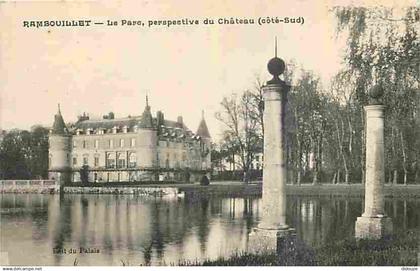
[[232, 189], [401, 250]]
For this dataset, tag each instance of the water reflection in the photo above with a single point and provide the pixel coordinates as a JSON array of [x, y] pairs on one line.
[[137, 230]]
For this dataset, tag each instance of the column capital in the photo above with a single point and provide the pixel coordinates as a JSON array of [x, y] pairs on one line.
[[374, 107], [374, 111], [276, 91]]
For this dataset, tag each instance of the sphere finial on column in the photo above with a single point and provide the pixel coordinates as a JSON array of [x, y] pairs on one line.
[[275, 67], [375, 95]]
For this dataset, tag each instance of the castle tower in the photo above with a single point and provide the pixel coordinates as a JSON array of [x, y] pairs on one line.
[[203, 132], [59, 150], [147, 147]]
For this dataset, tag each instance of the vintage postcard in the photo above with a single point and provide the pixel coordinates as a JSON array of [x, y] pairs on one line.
[[222, 133]]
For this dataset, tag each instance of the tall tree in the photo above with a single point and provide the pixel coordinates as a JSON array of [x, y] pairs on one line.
[[242, 128], [24, 154], [383, 48]]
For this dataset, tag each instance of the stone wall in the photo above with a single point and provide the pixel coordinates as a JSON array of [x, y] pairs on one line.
[[143, 191], [29, 186]]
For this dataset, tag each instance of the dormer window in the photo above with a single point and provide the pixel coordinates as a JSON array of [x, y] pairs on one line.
[[114, 129], [135, 128], [125, 129]]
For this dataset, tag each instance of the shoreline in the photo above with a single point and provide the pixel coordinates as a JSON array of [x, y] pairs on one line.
[[226, 188]]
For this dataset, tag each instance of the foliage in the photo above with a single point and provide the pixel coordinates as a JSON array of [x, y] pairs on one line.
[[383, 48], [204, 180], [398, 251], [242, 136], [84, 174], [325, 124], [24, 154]]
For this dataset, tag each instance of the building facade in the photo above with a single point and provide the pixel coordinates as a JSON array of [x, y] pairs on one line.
[[132, 149]]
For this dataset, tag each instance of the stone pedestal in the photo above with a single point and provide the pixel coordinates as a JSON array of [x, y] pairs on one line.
[[373, 224], [262, 240], [373, 227]]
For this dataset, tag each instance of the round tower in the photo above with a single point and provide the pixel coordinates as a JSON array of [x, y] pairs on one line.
[[147, 143], [205, 138], [59, 151]]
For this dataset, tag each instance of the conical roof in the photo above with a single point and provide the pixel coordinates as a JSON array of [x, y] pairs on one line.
[[146, 118], [59, 127], [202, 130]]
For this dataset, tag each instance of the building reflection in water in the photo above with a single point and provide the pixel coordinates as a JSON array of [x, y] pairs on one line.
[[157, 231]]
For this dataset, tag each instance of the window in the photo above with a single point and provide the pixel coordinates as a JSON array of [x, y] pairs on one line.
[[85, 160], [121, 143], [95, 176], [176, 163], [120, 160], [96, 161], [133, 142], [84, 144], [132, 160], [110, 160], [74, 144], [111, 143], [167, 160], [74, 161], [96, 143]]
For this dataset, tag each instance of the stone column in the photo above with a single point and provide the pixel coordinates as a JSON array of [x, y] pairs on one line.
[[274, 170], [374, 224], [272, 229]]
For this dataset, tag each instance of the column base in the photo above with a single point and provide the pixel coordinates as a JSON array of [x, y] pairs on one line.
[[373, 227], [264, 240]]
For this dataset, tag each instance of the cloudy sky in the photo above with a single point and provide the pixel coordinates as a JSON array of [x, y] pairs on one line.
[[184, 69]]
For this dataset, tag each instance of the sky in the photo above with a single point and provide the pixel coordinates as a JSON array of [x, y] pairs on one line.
[[183, 69]]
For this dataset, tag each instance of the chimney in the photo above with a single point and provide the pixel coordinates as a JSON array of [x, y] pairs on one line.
[[83, 117], [160, 118], [180, 122]]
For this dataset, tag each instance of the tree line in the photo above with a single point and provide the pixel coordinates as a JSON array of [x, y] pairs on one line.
[[325, 125], [24, 154]]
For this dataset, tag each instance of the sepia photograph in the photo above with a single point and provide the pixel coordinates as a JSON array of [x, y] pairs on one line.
[[209, 133]]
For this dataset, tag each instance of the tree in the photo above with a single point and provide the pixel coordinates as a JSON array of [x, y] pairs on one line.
[[14, 155], [243, 133], [84, 174], [24, 154], [383, 48], [39, 152]]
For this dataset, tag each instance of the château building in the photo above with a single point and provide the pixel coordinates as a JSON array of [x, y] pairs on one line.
[[132, 149]]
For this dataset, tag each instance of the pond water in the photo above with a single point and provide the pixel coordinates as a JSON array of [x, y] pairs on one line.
[[37, 229]]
